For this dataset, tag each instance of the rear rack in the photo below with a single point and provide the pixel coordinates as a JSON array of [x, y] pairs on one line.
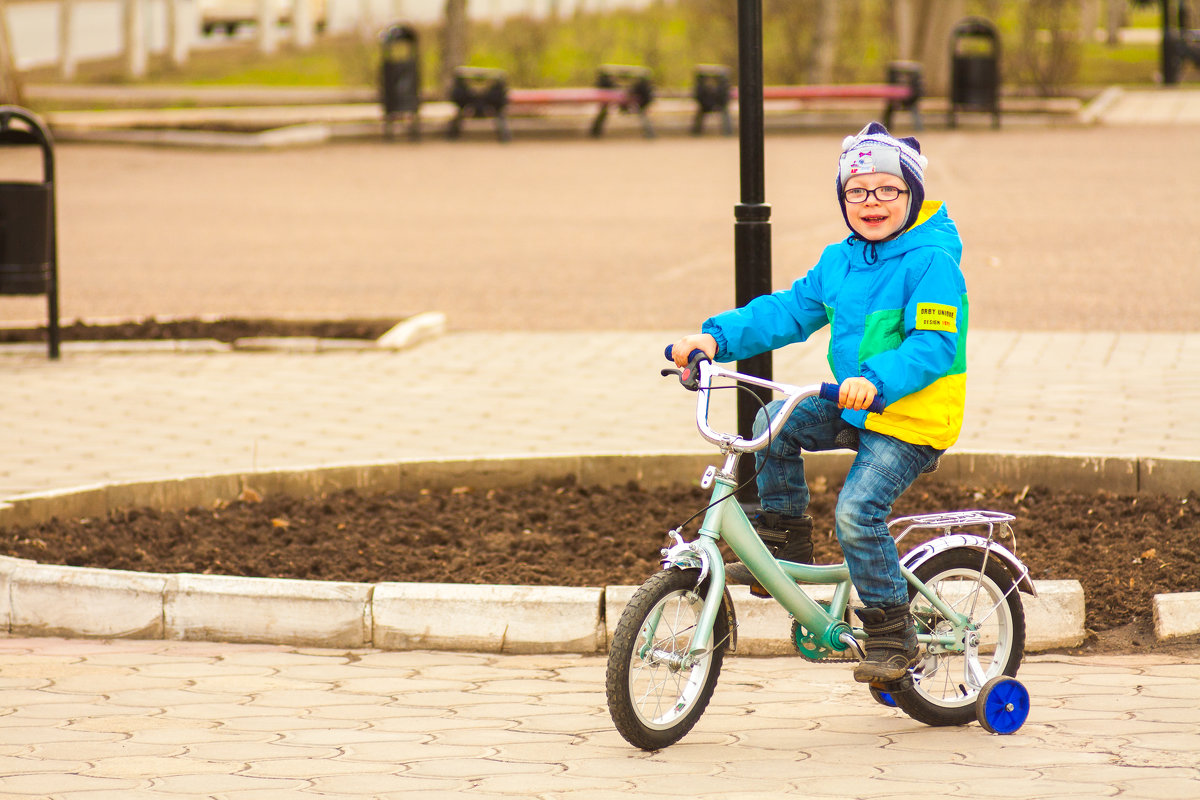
[[946, 521], [953, 519]]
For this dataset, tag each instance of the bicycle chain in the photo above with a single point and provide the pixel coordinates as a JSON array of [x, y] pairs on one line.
[[815, 652]]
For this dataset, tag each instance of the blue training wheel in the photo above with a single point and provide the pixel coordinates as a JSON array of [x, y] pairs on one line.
[[883, 696], [1003, 705]]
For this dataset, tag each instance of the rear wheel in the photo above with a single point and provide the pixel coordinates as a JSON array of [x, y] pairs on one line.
[[656, 688], [947, 681]]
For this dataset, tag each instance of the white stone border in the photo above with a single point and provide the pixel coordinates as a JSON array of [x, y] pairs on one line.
[[76, 602]]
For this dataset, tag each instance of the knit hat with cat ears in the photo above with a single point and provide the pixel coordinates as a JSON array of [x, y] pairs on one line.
[[876, 150]]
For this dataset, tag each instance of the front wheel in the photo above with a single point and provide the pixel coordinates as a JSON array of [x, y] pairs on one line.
[[657, 688], [947, 680]]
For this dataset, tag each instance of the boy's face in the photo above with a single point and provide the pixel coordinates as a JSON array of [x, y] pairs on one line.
[[873, 219]]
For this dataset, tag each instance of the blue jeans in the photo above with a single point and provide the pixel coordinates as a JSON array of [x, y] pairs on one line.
[[882, 470]]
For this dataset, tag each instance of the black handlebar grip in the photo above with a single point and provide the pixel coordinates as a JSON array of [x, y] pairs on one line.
[[830, 392]]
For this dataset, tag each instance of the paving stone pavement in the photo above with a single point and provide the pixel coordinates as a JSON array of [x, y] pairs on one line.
[[90, 720], [101, 418], [131, 720]]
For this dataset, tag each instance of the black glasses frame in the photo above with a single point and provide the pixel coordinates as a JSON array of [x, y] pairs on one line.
[[872, 192]]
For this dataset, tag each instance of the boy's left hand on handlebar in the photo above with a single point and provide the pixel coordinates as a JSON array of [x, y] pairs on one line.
[[856, 393]]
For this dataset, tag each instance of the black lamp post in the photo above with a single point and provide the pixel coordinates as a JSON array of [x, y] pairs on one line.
[[752, 216]]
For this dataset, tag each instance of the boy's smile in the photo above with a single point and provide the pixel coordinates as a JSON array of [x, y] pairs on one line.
[[873, 219]]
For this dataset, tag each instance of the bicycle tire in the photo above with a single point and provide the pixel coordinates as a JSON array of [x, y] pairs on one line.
[[655, 698], [942, 692]]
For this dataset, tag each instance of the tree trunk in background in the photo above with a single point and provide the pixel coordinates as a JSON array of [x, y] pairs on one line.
[[454, 41], [303, 24], [906, 34], [934, 21], [10, 81], [1089, 18], [179, 38], [267, 30], [1113, 20], [824, 42], [67, 62], [133, 34]]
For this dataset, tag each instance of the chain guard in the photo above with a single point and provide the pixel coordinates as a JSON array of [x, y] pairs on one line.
[[808, 649]]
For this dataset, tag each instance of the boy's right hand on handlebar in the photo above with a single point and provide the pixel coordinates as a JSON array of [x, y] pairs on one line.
[[857, 393], [696, 341]]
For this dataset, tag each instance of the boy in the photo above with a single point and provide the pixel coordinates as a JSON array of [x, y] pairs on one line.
[[895, 300]]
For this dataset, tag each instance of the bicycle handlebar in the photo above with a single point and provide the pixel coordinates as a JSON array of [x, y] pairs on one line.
[[831, 391], [698, 376]]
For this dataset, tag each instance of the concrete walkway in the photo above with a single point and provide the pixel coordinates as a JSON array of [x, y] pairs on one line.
[[99, 416], [141, 720]]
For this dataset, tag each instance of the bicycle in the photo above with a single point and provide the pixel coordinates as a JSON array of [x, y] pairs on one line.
[[965, 588]]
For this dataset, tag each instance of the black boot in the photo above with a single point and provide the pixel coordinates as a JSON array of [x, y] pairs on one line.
[[788, 539], [891, 644]]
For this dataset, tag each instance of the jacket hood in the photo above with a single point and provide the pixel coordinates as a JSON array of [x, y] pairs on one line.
[[933, 228]]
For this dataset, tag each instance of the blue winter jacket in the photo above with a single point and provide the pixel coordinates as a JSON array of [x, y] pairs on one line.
[[897, 312]]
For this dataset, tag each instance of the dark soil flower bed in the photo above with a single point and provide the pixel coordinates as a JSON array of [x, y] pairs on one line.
[[1122, 549], [223, 330]]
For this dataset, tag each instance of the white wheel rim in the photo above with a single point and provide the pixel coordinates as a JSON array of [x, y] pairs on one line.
[[953, 679]]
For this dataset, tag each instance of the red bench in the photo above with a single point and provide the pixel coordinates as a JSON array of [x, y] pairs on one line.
[[713, 93], [484, 93]]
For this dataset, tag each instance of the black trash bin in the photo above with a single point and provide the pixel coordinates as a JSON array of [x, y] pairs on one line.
[[1180, 41], [975, 69], [28, 243], [400, 79]]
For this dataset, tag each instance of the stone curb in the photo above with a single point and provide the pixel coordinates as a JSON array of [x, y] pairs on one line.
[[1176, 614], [50, 600], [405, 334], [1093, 113], [353, 116], [75, 602]]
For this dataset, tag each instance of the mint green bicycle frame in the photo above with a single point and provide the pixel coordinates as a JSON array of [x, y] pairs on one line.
[[725, 519]]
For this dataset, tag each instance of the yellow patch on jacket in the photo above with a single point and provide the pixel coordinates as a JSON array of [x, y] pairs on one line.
[[932, 416]]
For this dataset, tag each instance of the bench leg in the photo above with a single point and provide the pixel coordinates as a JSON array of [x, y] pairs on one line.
[[455, 127], [889, 113], [598, 123], [698, 123], [503, 133], [647, 127]]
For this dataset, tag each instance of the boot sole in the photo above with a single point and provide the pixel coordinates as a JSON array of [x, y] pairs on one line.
[[874, 672]]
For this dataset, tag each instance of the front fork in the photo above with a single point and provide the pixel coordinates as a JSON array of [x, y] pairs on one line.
[[702, 553]]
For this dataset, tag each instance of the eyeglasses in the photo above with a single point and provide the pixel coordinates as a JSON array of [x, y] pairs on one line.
[[883, 194]]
